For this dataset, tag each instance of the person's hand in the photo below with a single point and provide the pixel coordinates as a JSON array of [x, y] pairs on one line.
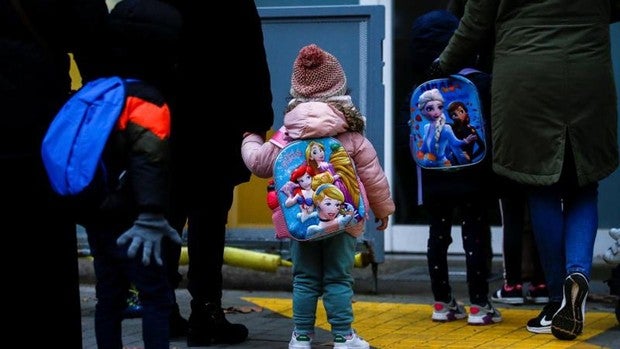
[[384, 223], [434, 71], [471, 138], [147, 231]]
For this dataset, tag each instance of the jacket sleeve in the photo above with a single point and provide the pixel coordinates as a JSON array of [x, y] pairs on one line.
[[147, 130], [475, 28], [255, 70], [259, 155], [371, 174]]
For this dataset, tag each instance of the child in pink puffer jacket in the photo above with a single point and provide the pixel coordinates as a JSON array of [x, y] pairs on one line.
[[321, 108]]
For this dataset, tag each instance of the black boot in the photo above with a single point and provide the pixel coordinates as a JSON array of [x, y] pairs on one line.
[[207, 325], [178, 325]]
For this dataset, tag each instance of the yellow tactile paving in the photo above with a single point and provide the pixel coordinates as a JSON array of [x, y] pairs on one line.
[[407, 326]]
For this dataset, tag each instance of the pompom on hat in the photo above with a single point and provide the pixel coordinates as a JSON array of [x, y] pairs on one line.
[[317, 74]]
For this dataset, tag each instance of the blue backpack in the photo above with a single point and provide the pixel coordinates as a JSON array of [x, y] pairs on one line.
[[457, 138], [74, 142]]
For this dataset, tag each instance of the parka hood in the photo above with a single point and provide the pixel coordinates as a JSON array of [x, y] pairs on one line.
[[314, 119]]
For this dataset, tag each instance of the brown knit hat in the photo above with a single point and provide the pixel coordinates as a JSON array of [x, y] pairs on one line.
[[317, 74]]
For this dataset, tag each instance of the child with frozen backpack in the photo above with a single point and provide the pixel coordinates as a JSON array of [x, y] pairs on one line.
[[320, 107]]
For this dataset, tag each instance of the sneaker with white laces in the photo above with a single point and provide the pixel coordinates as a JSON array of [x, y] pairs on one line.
[[483, 315], [444, 312], [542, 323], [568, 321], [351, 341], [300, 341], [509, 294]]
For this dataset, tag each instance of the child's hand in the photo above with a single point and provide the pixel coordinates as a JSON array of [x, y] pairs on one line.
[[146, 233], [384, 223]]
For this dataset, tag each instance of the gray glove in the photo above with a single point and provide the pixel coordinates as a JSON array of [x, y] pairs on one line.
[[147, 231]]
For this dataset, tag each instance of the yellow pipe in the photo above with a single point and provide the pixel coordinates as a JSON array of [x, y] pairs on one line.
[[263, 261], [246, 259]]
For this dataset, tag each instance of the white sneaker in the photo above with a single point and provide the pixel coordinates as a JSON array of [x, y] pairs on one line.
[[612, 255], [300, 341], [483, 315], [351, 341], [614, 233], [444, 312]]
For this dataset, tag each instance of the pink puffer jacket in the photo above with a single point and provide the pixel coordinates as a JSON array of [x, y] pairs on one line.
[[319, 119]]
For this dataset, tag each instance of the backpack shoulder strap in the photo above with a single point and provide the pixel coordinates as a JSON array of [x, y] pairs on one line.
[[280, 138], [467, 71]]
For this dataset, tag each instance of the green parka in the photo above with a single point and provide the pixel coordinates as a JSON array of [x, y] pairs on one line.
[[552, 87]]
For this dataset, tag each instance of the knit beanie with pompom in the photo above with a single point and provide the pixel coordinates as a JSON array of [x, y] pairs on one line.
[[317, 74]]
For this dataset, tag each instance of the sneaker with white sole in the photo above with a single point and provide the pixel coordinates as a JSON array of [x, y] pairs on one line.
[[567, 323], [444, 312], [542, 323], [538, 294], [612, 255], [509, 294], [300, 341], [614, 233], [483, 315], [351, 341]]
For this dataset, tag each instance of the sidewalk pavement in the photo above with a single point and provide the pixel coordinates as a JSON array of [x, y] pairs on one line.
[[392, 311]]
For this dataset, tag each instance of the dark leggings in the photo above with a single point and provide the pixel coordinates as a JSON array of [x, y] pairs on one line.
[[516, 226], [476, 234]]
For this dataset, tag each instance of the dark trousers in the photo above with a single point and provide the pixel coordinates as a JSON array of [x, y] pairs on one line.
[[37, 227], [206, 233], [475, 231], [517, 228], [115, 272]]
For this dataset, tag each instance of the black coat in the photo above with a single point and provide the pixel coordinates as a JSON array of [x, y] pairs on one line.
[[34, 65], [215, 89]]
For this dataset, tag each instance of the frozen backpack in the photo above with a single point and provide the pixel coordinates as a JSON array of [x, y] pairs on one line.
[[316, 192], [447, 128], [74, 142]]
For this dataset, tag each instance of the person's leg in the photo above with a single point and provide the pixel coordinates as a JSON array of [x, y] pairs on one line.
[[307, 283], [57, 250], [439, 239], [512, 210], [111, 287], [581, 223], [445, 307], [473, 228], [33, 222], [337, 259], [157, 298], [513, 207], [581, 207], [171, 253], [548, 227], [537, 291], [206, 241]]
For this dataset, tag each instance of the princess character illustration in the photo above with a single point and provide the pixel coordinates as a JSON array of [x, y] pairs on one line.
[[439, 140]]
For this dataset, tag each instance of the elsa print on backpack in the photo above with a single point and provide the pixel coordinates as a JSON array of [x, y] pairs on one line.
[[441, 142]]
